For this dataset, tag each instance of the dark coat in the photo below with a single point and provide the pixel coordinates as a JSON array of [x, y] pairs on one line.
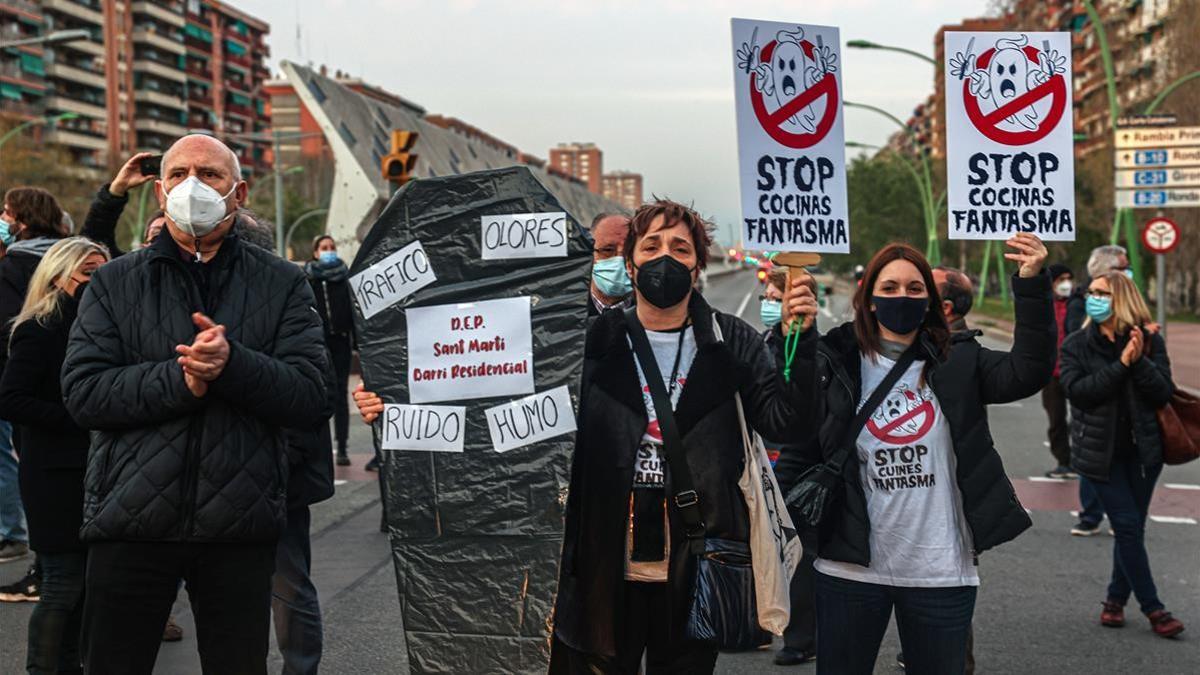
[[1093, 378], [165, 465], [100, 223], [53, 448], [16, 269], [310, 452], [612, 419], [965, 383], [1076, 308], [331, 288]]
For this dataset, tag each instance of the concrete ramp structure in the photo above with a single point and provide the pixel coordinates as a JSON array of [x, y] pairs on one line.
[[358, 130]]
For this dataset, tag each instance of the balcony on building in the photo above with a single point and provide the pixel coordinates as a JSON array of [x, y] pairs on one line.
[[239, 104], [159, 36], [150, 61], [169, 12], [25, 11], [158, 91], [79, 100], [158, 120], [89, 11], [197, 37], [84, 71]]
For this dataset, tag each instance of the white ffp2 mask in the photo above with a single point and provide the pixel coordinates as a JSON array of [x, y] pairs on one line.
[[195, 206]]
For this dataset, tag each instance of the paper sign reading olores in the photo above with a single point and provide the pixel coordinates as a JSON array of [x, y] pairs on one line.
[[792, 159], [531, 419], [423, 427], [524, 235], [392, 279], [1009, 135], [470, 350]]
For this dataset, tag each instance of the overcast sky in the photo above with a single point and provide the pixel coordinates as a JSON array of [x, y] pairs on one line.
[[649, 81]]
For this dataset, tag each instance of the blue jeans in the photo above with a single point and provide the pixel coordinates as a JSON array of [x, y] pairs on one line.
[[55, 622], [12, 516], [1126, 498], [852, 617], [1091, 510], [294, 603]]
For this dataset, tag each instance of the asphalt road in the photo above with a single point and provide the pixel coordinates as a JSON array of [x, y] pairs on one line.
[[1037, 611]]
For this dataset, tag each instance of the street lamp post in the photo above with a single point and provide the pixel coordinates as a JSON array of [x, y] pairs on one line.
[[296, 224], [930, 207], [56, 37]]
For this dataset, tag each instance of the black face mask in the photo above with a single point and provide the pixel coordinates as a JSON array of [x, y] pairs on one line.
[[664, 282], [900, 315]]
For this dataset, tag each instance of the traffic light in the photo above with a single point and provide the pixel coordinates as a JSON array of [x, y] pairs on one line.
[[398, 165]]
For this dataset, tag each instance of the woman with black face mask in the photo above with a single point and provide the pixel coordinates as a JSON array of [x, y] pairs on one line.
[[922, 491], [633, 529]]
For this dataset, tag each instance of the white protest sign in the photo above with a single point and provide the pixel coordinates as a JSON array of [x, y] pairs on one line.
[[524, 235], [531, 419], [423, 427], [1010, 162], [392, 279], [792, 159], [470, 350]]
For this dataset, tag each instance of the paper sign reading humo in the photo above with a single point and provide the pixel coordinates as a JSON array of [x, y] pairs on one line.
[[423, 427], [1009, 135], [392, 279], [469, 350], [524, 235], [531, 419], [792, 159]]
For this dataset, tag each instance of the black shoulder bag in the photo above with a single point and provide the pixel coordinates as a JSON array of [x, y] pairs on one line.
[[722, 610], [819, 490]]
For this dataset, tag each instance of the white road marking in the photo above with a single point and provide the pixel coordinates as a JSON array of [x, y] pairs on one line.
[[1176, 520], [1182, 486], [745, 301], [339, 482], [1046, 479], [1045, 444]]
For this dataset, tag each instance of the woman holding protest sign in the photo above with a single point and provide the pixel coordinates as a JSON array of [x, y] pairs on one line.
[[1116, 374], [919, 489], [655, 498]]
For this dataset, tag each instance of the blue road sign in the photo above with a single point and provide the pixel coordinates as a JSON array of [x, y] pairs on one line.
[[1158, 177], [1150, 157], [1150, 198]]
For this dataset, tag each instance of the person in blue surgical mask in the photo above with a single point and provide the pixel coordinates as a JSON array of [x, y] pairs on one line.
[[329, 278], [611, 286], [1116, 374]]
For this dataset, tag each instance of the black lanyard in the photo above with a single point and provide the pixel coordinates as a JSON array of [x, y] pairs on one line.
[[675, 368]]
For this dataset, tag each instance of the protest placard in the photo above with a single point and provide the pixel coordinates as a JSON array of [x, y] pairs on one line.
[[792, 159], [517, 423], [524, 235], [423, 427], [470, 350], [392, 279], [1009, 136]]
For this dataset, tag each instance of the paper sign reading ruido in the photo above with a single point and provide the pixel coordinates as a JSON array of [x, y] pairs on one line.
[[470, 350], [531, 419], [524, 235], [792, 159], [423, 427], [1010, 162], [392, 279]]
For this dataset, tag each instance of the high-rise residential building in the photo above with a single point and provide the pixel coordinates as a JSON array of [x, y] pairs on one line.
[[1136, 33], [582, 160], [152, 70], [624, 188]]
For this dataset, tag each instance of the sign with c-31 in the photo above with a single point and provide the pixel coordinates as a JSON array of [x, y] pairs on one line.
[[1137, 178]]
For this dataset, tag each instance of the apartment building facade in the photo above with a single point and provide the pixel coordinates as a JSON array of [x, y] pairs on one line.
[[151, 71], [624, 188]]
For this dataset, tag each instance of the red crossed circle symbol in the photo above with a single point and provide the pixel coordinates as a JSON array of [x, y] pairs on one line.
[[1055, 87], [772, 123], [885, 434]]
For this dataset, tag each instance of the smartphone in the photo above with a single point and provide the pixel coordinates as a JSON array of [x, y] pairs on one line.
[[151, 165]]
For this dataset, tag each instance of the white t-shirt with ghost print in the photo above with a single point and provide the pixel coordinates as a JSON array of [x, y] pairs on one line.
[[919, 536]]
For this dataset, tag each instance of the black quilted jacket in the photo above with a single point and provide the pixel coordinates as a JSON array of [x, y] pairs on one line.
[[1094, 379], [164, 465]]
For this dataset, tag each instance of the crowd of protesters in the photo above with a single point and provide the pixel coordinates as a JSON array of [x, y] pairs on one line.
[[170, 410]]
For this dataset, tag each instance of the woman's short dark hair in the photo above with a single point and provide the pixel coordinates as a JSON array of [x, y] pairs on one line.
[[866, 328], [320, 238], [673, 213], [38, 210]]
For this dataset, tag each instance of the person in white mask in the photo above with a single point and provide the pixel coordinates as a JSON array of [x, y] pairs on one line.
[[188, 359], [1054, 400]]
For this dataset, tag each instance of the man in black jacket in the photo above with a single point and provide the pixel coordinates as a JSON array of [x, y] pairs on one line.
[[186, 477]]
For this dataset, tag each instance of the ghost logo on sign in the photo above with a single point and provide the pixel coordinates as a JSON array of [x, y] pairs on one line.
[[1011, 89], [789, 70]]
